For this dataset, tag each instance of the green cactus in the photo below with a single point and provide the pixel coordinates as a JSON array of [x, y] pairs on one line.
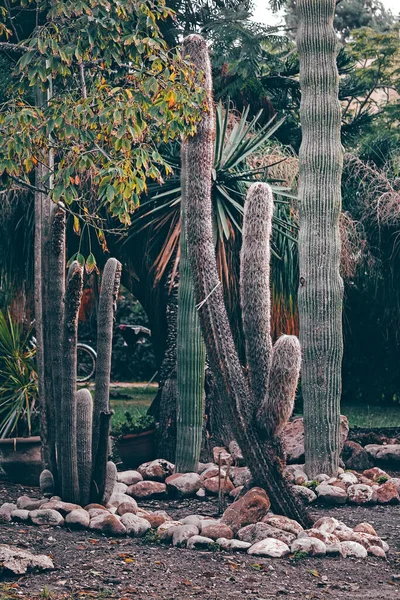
[[84, 411], [191, 355], [69, 459], [261, 449]]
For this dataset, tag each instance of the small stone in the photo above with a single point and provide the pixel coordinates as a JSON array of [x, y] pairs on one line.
[[235, 493], [27, 503], [120, 488], [213, 485], [300, 477], [183, 485], [306, 495], [201, 494], [135, 526], [213, 471], [95, 512], [233, 545], [127, 507], [365, 528], [344, 533], [207, 522], [309, 545], [386, 454], [62, 507], [156, 470], [241, 476], [376, 551], [157, 518], [249, 509], [203, 467], [354, 549], [260, 531], [218, 530], [387, 493], [331, 494], [78, 519], [20, 515], [46, 516], [321, 478], [193, 520], [283, 523], [326, 524], [129, 477], [20, 561], [147, 489], [327, 538], [348, 478], [166, 530], [5, 512], [117, 498], [221, 456], [269, 547], [375, 473], [198, 542], [396, 482], [108, 524], [361, 494], [355, 456], [182, 533], [94, 505]]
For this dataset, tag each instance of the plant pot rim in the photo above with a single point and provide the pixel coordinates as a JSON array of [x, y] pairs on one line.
[[20, 440], [129, 436]]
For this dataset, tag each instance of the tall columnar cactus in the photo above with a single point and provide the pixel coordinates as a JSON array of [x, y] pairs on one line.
[[84, 413], [69, 457], [261, 447], [321, 287], [191, 352]]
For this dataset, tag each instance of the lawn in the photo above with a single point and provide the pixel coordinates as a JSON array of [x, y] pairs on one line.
[[137, 399]]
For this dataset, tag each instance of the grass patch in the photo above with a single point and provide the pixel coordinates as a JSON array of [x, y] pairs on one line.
[[371, 415], [135, 400]]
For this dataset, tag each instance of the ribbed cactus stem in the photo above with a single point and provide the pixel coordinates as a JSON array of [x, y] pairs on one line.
[[191, 352], [277, 407], [99, 476], [84, 411], [56, 313], [46, 483], [261, 457], [255, 292], [69, 463], [110, 283], [111, 478], [321, 290]]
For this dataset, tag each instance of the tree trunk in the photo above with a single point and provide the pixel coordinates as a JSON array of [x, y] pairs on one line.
[[321, 287]]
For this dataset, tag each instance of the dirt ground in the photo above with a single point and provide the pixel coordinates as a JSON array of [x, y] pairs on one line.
[[93, 566]]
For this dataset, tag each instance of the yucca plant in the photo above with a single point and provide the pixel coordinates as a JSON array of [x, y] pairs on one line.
[[18, 379]]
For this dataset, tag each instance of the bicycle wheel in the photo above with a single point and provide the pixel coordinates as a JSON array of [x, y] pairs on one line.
[[86, 362]]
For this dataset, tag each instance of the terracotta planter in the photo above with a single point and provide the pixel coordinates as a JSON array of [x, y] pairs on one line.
[[137, 448], [20, 458]]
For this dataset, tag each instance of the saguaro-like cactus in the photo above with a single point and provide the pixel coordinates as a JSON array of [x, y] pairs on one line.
[[84, 413], [261, 449], [321, 288], [191, 352]]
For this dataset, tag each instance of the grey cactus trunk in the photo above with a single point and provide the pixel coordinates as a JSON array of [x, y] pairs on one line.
[[262, 453], [191, 353], [84, 413], [321, 287]]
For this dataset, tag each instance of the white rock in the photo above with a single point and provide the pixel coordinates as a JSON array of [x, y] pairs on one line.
[[331, 494], [234, 545], [129, 477], [20, 515], [321, 477], [307, 495], [5, 511], [156, 470], [241, 476], [183, 484], [182, 533], [166, 530], [117, 498], [135, 526], [198, 542], [78, 519], [193, 520], [361, 493], [47, 516], [269, 547], [376, 551], [348, 478], [120, 488], [354, 549], [201, 493], [27, 503], [283, 523], [311, 546], [326, 524], [20, 561]]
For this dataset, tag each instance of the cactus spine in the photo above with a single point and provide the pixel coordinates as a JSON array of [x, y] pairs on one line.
[[261, 452], [321, 292], [191, 354]]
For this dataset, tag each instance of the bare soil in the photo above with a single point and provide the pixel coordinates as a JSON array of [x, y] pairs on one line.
[[93, 566]]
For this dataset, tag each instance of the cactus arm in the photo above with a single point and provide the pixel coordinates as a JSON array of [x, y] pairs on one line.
[[262, 458], [69, 463], [190, 357], [111, 478], [100, 461], [255, 292], [84, 411], [321, 293], [105, 323], [46, 483]]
